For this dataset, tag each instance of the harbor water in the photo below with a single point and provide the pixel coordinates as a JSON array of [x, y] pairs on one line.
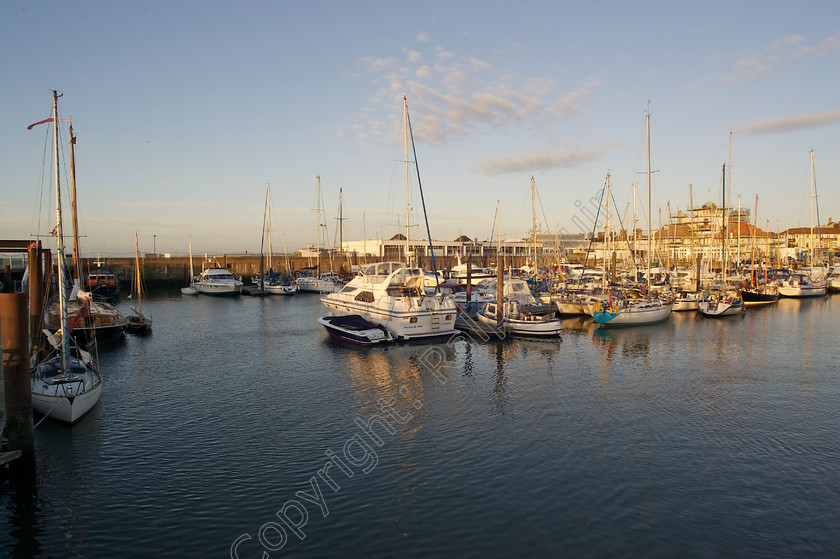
[[240, 425]]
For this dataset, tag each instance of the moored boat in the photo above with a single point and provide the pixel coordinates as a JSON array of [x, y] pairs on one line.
[[65, 382], [630, 312], [355, 329], [216, 280], [138, 323], [518, 323], [720, 304], [764, 294], [391, 295]]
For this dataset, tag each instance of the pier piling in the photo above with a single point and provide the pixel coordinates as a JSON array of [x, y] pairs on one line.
[[14, 338]]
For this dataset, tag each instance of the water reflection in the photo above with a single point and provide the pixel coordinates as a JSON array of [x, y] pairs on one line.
[[251, 393]]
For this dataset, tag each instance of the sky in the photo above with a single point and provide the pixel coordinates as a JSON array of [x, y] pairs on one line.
[[185, 111]]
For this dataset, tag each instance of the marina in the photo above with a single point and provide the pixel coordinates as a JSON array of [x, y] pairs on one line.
[[691, 437], [630, 362]]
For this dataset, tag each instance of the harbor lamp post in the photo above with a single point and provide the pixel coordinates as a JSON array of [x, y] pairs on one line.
[[154, 244]]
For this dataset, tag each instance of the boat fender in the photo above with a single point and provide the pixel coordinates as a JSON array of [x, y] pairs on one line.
[[613, 310], [596, 307]]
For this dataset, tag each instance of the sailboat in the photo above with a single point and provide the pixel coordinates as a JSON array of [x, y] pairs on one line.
[[98, 320], [190, 289], [800, 284], [269, 282], [725, 300], [318, 282], [628, 309], [758, 292], [65, 381], [138, 323], [391, 294]]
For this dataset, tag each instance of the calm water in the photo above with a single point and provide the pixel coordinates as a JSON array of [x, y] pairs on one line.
[[694, 438]]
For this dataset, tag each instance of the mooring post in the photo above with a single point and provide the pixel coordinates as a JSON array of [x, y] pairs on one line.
[[36, 294], [14, 338], [7, 278]]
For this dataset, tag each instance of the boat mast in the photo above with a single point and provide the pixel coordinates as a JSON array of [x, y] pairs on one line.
[[738, 258], [813, 199], [189, 243], [606, 232], [500, 270], [650, 240], [635, 222], [723, 232], [318, 232], [59, 229], [268, 225], [137, 276], [76, 254], [407, 206], [534, 219], [752, 254], [341, 219]]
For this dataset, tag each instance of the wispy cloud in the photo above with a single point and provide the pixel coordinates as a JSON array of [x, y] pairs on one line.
[[753, 64], [788, 123], [456, 97], [536, 162]]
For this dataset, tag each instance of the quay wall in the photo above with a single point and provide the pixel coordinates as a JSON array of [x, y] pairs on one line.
[[175, 271]]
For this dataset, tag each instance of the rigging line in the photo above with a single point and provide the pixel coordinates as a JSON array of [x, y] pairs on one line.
[[558, 240], [493, 230], [262, 244], [422, 200], [626, 235], [594, 226]]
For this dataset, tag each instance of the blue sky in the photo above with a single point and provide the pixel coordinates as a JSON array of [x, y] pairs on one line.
[[184, 110]]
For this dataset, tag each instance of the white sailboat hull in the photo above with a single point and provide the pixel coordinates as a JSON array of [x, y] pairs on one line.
[[315, 285], [67, 402], [632, 316], [721, 308], [801, 291], [515, 327]]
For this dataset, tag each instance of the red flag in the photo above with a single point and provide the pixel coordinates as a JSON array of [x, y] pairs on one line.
[[54, 233], [40, 122], [84, 311]]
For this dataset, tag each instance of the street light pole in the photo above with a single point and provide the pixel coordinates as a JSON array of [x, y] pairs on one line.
[[154, 244]]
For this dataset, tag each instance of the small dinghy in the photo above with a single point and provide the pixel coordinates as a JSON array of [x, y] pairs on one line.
[[356, 330]]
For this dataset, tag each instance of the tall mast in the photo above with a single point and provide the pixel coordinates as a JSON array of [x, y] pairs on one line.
[[189, 244], [754, 232], [268, 225], [341, 224], [724, 232], [137, 275], [76, 254], [692, 229], [59, 229], [650, 240], [813, 196], [606, 231], [407, 206], [669, 240], [318, 232], [739, 219], [534, 220], [500, 270]]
